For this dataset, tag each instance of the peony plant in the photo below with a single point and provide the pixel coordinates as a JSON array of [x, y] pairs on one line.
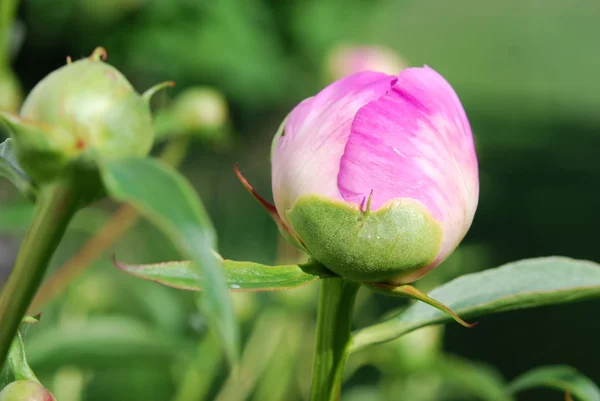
[[375, 178]]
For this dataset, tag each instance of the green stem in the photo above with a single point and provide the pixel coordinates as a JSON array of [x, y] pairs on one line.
[[8, 9], [334, 321], [56, 204]]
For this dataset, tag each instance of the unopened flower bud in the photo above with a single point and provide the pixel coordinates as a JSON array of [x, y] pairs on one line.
[[376, 176], [199, 112], [346, 60], [25, 390], [81, 112]]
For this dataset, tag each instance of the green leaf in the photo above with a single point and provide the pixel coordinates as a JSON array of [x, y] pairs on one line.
[[9, 168], [469, 378], [523, 284], [241, 276], [162, 195], [103, 341], [558, 377]]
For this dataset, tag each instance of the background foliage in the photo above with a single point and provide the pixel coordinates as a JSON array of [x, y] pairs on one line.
[[527, 74]]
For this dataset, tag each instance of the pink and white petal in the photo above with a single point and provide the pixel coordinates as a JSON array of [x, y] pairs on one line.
[[306, 159], [415, 142]]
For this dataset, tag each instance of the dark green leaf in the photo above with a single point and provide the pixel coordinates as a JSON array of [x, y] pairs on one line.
[[469, 378], [162, 195], [523, 284], [241, 276], [9, 168], [564, 378]]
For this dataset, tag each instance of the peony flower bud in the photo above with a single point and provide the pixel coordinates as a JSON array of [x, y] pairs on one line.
[[82, 111], [25, 390], [376, 176], [346, 60]]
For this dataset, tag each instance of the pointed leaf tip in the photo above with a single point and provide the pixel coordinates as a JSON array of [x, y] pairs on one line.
[[147, 95], [269, 207], [522, 284], [409, 291], [32, 319], [98, 54], [287, 233]]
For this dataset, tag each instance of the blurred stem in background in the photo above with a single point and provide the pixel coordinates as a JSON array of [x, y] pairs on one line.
[[120, 222], [199, 375], [8, 10], [334, 322], [56, 204], [260, 348]]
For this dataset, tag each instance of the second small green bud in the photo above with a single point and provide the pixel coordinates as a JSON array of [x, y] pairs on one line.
[[199, 112]]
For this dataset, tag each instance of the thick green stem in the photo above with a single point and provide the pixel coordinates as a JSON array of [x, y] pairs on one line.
[[334, 320], [56, 204]]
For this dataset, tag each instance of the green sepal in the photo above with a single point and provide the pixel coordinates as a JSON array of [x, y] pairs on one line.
[[41, 150], [384, 245], [16, 354], [286, 232], [11, 169]]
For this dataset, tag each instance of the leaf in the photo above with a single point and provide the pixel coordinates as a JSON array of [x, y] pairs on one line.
[[10, 168], [523, 284], [102, 341], [559, 377], [469, 378], [241, 276], [162, 195]]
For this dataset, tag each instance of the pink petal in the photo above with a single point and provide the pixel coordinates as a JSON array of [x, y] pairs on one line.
[[415, 142], [306, 159]]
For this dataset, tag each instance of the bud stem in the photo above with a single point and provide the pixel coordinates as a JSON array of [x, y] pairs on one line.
[[56, 204], [334, 321], [8, 10]]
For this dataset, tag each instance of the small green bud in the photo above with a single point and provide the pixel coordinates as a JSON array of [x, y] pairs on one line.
[[199, 112], [81, 112], [25, 390]]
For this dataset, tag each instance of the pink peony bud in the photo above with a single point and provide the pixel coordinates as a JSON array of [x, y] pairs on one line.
[[376, 176], [346, 60], [25, 390]]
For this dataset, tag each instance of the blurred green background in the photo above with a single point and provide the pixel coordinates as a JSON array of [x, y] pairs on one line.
[[527, 73]]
